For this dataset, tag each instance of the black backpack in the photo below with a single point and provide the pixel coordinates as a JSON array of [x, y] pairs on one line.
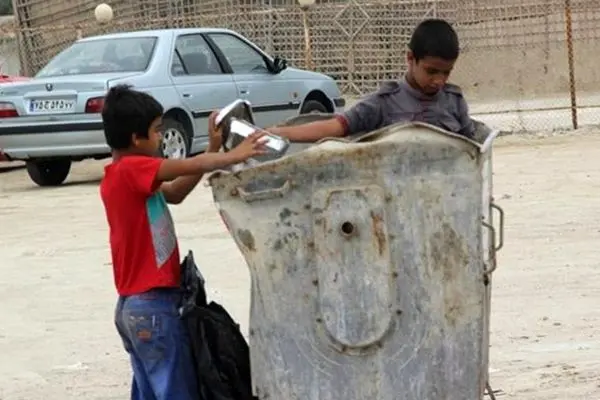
[[221, 353]]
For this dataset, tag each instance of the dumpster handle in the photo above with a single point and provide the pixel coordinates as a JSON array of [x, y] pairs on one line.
[[497, 240], [500, 226], [264, 194], [488, 271]]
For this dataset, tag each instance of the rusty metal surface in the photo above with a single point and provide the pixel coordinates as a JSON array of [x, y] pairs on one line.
[[367, 263]]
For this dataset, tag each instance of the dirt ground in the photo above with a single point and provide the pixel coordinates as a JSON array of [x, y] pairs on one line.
[[57, 340]]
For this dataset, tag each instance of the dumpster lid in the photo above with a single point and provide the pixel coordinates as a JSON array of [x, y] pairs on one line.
[[481, 143]]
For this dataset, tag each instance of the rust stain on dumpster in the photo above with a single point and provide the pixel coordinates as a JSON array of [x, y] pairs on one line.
[[378, 231], [247, 239], [449, 257]]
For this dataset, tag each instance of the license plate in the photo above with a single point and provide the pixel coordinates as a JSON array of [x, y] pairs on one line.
[[51, 106]]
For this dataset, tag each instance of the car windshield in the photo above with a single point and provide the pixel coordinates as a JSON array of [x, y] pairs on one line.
[[102, 56]]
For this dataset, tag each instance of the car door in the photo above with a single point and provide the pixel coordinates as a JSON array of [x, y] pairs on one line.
[[201, 82], [272, 96]]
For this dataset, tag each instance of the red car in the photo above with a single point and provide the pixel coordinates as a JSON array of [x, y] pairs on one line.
[[12, 78]]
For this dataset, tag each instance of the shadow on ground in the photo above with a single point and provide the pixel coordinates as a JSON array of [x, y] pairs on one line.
[[10, 168], [80, 182]]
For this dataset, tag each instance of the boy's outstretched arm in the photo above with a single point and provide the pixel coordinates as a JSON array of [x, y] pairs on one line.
[[206, 162], [312, 131], [364, 116], [170, 170], [185, 174], [176, 191]]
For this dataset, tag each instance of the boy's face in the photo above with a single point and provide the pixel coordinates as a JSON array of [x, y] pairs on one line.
[[150, 145], [430, 74]]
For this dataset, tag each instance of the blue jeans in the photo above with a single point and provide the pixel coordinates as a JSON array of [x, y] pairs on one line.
[[158, 344]]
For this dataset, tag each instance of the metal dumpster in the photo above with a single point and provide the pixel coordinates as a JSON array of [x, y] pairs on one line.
[[370, 263]]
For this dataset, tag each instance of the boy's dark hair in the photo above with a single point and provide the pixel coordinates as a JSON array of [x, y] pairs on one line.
[[434, 38], [125, 112]]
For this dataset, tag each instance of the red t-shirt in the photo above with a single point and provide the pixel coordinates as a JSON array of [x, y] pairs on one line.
[[143, 243]]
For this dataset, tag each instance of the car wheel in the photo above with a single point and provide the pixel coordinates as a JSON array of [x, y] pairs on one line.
[[313, 107], [176, 141], [48, 172]]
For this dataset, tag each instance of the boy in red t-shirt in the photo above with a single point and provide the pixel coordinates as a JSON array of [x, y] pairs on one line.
[[135, 191]]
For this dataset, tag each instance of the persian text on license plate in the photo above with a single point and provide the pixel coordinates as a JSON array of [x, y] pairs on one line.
[[51, 106]]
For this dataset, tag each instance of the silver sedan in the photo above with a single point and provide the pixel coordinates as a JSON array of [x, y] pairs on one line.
[[54, 119]]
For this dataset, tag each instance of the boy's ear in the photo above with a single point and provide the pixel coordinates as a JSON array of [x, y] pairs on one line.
[[410, 57], [135, 139]]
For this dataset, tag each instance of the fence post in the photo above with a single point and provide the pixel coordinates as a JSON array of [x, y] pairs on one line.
[[308, 61], [572, 88]]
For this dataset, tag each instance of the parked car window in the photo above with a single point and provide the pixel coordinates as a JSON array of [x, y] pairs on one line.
[[131, 54], [242, 57], [193, 56]]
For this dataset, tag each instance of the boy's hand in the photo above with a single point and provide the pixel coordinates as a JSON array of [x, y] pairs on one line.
[[253, 145], [215, 135]]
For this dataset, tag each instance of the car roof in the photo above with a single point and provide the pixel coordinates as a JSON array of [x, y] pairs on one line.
[[155, 32]]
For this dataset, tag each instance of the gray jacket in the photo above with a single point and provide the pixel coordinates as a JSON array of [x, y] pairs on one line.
[[398, 102]]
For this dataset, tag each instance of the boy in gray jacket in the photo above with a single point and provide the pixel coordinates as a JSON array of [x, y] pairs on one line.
[[423, 95]]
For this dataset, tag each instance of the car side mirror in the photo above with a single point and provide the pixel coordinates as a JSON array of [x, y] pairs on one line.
[[279, 64]]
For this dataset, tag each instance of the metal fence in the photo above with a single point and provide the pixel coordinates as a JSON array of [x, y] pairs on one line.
[[515, 66], [9, 55]]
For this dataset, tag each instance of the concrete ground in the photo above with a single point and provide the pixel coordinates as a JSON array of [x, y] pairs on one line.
[[57, 340]]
